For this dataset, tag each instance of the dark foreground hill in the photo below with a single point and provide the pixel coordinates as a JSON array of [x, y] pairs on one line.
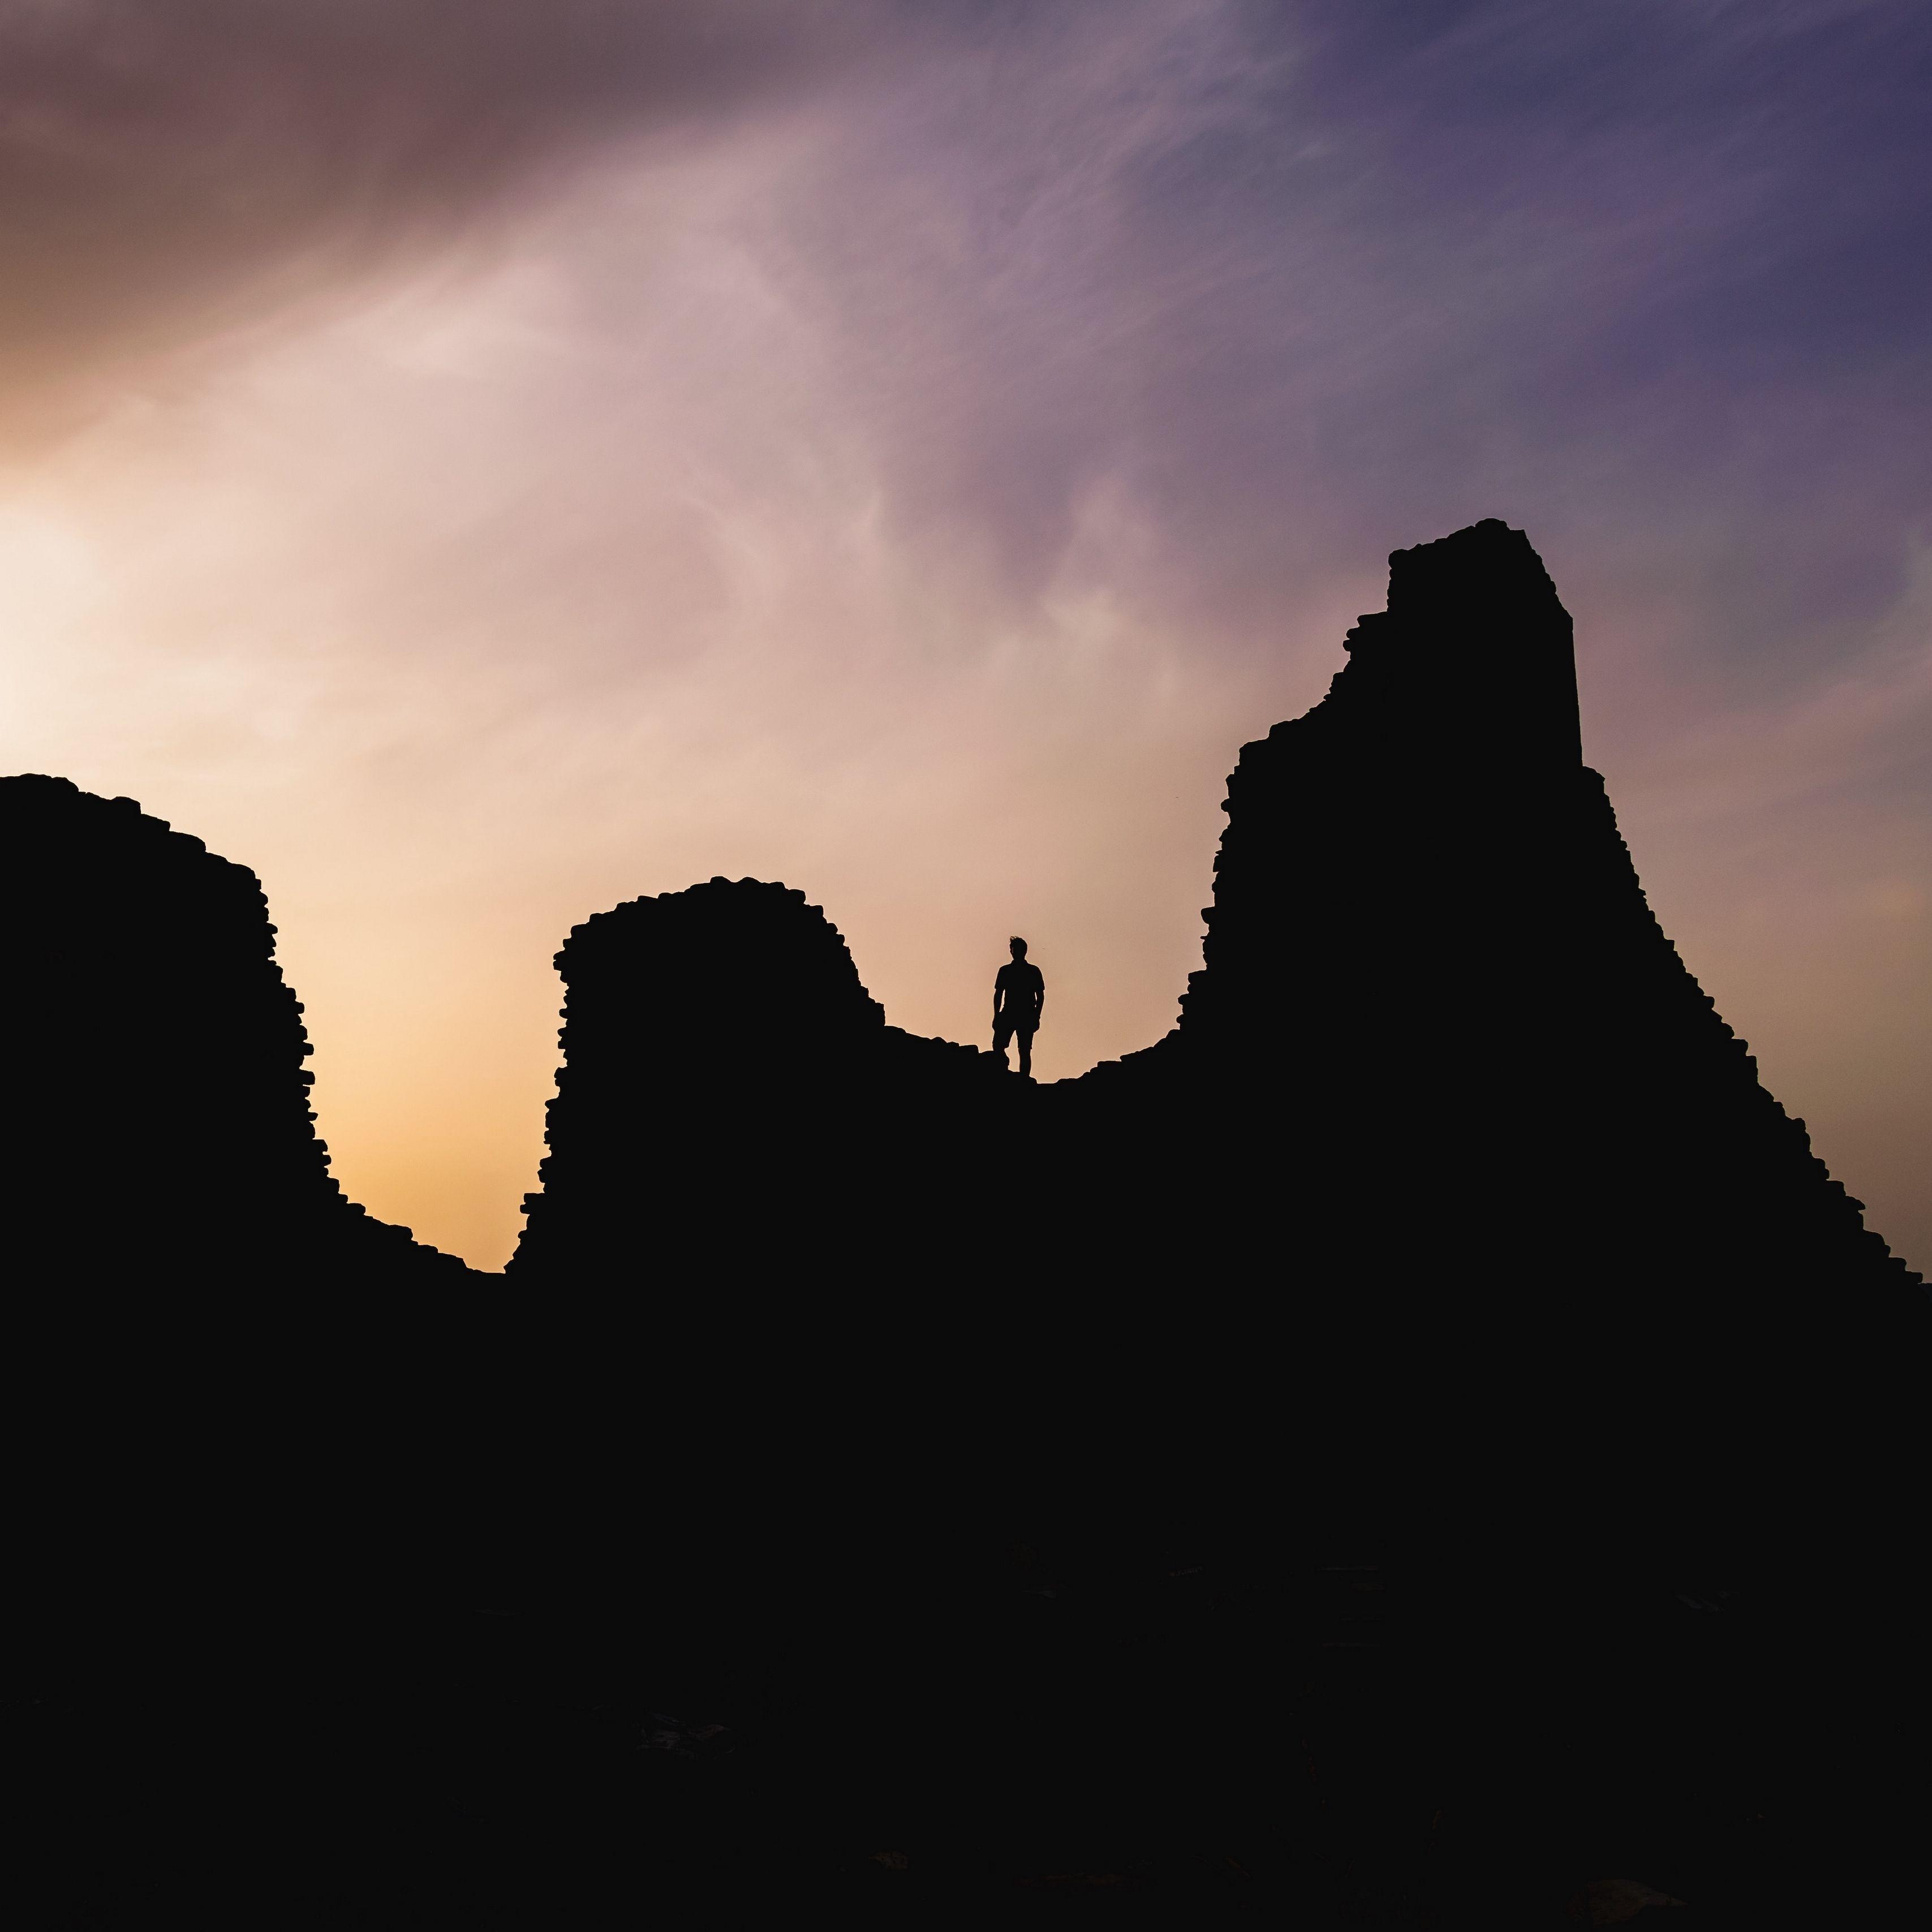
[[1422, 1440]]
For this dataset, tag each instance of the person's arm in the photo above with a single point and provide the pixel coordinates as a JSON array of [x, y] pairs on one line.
[[1039, 998], [997, 990]]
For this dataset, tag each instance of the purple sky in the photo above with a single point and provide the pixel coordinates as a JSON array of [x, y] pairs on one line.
[[476, 460]]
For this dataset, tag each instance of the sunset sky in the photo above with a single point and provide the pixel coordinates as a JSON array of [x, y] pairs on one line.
[[475, 461]]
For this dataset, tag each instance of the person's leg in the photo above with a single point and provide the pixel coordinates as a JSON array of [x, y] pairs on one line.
[[1003, 1031], [1026, 1052]]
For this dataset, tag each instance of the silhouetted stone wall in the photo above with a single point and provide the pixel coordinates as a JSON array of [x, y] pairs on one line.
[[1466, 1243], [1446, 1113], [1445, 1119], [1424, 918], [733, 1280], [732, 1097], [1451, 1233], [990, 1451], [155, 1117]]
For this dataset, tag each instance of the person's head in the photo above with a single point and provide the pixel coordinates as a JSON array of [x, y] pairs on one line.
[[1018, 946]]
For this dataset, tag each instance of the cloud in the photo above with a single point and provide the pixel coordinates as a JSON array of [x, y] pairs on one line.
[[1396, 267], [169, 168], [1308, 282]]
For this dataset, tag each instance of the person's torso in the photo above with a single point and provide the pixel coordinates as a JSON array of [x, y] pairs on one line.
[[1019, 981]]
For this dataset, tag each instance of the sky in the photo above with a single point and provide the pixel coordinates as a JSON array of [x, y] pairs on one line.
[[477, 461]]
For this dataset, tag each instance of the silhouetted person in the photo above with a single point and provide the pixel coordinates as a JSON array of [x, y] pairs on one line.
[[1019, 997]]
